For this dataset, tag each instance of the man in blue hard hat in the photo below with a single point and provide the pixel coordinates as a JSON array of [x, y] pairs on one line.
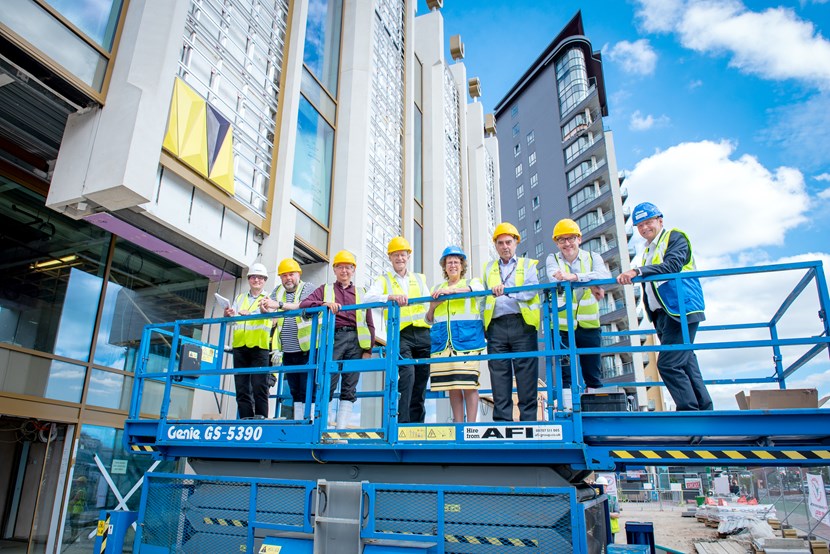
[[670, 251]]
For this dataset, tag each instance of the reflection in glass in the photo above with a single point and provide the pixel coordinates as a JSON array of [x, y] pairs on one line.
[[89, 492], [96, 18], [419, 155], [34, 376], [53, 38], [144, 288], [322, 41], [311, 182], [51, 279], [108, 390]]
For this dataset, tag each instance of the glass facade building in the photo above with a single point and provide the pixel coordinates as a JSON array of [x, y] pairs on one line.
[[149, 153]]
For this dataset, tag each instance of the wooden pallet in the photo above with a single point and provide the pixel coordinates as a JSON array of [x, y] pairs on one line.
[[819, 547], [720, 547]]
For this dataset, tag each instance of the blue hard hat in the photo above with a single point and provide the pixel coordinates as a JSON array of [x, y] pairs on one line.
[[452, 251], [644, 211]]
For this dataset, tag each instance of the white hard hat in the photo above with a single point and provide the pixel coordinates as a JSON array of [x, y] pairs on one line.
[[258, 269], [601, 480]]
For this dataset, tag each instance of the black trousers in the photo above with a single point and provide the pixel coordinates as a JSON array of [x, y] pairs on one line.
[[590, 364], [346, 347], [510, 333], [679, 369], [298, 382], [413, 379], [251, 388]]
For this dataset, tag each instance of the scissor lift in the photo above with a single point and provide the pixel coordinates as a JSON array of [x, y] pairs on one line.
[[443, 487]]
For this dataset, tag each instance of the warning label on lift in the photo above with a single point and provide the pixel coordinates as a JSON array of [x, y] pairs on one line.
[[513, 433], [441, 433]]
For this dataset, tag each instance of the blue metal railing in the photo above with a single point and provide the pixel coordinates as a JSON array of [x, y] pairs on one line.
[[321, 366]]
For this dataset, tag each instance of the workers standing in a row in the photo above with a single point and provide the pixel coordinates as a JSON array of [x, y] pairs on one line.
[[505, 324]]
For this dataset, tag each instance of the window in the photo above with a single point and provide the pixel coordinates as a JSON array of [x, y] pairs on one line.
[[571, 79], [579, 122], [517, 150], [535, 202], [578, 147], [515, 130], [531, 160], [534, 180], [520, 191], [523, 233], [540, 249], [531, 138], [321, 54], [537, 226], [514, 111], [522, 211], [519, 170]]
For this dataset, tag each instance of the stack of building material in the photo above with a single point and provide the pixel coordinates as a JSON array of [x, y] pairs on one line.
[[780, 546]]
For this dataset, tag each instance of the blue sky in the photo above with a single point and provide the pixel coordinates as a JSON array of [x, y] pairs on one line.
[[720, 112]]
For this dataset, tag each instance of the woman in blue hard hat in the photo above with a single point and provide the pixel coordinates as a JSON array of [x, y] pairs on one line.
[[457, 330]]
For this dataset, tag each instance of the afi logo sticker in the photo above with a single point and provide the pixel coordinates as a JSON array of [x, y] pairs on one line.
[[513, 432]]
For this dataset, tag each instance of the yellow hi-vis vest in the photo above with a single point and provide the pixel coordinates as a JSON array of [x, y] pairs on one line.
[[254, 333], [303, 325], [492, 277], [411, 314], [364, 337], [585, 306]]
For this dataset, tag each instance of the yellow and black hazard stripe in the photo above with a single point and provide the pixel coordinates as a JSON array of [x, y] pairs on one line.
[[473, 539], [104, 533], [354, 435], [496, 541], [749, 455], [143, 448], [225, 522]]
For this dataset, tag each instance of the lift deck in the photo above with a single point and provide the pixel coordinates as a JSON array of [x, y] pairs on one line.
[[364, 487]]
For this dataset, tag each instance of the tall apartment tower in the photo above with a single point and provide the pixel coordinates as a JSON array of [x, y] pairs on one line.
[[151, 150], [559, 162]]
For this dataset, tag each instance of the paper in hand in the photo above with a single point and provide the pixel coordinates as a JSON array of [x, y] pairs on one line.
[[222, 301]]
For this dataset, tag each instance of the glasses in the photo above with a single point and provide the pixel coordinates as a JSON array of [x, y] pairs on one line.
[[566, 240], [257, 277]]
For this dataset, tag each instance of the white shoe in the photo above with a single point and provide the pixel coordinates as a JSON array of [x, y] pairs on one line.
[[299, 410], [344, 413]]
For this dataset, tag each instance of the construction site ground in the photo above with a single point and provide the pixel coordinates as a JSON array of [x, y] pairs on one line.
[[671, 529]]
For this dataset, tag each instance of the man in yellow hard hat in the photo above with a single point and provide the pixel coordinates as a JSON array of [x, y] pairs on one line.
[[576, 265], [354, 331], [399, 286], [511, 323], [291, 339], [251, 346]]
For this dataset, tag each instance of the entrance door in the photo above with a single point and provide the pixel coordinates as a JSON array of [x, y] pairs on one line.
[[30, 479]]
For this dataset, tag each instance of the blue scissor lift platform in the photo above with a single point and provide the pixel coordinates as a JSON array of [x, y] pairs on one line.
[[386, 485]]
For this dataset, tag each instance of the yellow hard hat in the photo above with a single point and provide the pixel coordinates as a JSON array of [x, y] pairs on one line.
[[566, 227], [506, 229], [289, 265], [344, 257], [397, 244]]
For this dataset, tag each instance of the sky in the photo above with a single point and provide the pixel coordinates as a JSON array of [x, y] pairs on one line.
[[720, 113]]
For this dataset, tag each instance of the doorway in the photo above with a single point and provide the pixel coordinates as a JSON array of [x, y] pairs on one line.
[[32, 478]]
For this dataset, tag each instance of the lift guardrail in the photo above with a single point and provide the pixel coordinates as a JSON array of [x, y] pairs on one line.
[[160, 419]]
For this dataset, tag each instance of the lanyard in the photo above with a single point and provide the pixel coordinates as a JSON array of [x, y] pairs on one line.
[[506, 277]]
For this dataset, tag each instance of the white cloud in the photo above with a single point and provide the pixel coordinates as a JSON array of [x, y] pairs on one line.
[[754, 299], [801, 131], [725, 204], [822, 177], [644, 123], [636, 57], [825, 194], [660, 15], [695, 84], [773, 44]]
